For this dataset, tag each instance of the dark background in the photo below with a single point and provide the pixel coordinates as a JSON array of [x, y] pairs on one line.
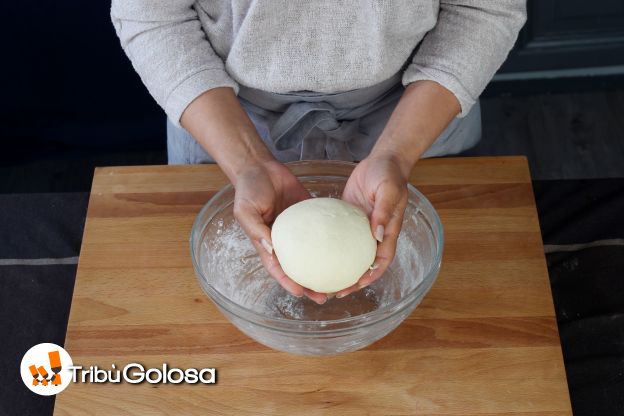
[[71, 101], [569, 35], [71, 95]]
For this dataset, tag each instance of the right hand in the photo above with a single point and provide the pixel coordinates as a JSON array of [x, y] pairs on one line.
[[264, 187], [263, 190]]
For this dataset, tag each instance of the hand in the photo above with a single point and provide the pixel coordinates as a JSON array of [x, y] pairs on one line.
[[263, 191], [264, 187], [378, 185]]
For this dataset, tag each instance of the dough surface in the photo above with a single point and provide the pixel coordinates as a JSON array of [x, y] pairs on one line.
[[324, 244]]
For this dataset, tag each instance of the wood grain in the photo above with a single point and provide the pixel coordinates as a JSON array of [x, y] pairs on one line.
[[483, 342]]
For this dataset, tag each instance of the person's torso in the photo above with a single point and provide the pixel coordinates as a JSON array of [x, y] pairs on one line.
[[315, 45]]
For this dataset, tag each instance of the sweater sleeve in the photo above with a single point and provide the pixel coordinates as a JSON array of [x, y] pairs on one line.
[[468, 44], [169, 50]]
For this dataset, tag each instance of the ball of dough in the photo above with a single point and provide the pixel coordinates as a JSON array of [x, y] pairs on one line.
[[324, 244]]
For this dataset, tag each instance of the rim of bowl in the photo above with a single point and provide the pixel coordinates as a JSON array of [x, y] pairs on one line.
[[380, 314]]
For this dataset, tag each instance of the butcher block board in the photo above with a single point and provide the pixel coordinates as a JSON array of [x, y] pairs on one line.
[[483, 342]]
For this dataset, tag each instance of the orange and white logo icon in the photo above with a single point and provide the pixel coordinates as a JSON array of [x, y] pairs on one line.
[[45, 369]]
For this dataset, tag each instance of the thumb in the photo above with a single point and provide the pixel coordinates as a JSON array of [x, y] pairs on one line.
[[386, 200], [259, 233], [254, 226]]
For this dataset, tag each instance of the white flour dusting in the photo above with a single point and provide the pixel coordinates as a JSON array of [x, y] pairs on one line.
[[230, 262]]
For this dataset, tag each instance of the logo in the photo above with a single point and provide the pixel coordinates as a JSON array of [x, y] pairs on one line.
[[46, 369], [135, 373]]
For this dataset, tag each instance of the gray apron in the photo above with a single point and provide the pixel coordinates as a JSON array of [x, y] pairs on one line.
[[311, 126]]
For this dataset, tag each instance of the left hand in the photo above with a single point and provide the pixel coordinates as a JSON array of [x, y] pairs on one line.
[[378, 185]]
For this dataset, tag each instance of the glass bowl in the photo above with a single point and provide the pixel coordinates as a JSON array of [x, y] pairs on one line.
[[231, 274]]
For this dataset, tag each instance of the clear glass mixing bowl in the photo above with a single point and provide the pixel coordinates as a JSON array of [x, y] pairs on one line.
[[230, 273]]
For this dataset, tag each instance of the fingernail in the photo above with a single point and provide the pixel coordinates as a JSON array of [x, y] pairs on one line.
[[267, 246], [340, 296], [379, 233], [362, 286], [324, 300]]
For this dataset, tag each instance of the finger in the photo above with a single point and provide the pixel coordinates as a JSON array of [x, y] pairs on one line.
[[379, 268], [387, 200], [385, 251], [317, 297], [271, 264], [386, 220], [260, 235], [252, 222], [374, 273], [274, 269], [344, 292]]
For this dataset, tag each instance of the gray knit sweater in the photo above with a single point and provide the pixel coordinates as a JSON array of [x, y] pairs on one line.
[[182, 48]]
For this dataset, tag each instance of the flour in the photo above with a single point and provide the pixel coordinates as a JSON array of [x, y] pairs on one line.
[[233, 268]]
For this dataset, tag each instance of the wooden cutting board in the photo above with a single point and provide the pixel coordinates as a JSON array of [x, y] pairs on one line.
[[483, 342]]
